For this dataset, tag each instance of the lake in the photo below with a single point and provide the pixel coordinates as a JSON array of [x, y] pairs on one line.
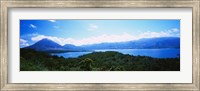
[[155, 53]]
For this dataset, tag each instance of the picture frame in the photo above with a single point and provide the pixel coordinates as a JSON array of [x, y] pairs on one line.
[[7, 4]]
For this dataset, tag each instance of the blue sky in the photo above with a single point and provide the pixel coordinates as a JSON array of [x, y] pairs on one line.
[[82, 32]]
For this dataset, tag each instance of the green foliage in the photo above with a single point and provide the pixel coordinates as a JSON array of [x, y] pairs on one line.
[[86, 64], [31, 60]]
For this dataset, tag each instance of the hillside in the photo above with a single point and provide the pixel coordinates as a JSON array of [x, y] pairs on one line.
[[31, 60]]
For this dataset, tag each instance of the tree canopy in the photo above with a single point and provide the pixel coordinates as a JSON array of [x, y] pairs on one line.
[[31, 60]]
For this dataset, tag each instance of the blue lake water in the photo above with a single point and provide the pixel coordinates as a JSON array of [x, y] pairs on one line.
[[70, 54], [155, 53]]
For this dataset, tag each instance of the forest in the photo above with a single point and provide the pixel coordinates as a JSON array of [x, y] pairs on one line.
[[31, 60]]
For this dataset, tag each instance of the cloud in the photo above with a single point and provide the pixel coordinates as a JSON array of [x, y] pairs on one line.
[[23, 42], [108, 37], [84, 41], [175, 32], [149, 34], [28, 35], [56, 27], [32, 26], [61, 41], [52, 20], [92, 27]]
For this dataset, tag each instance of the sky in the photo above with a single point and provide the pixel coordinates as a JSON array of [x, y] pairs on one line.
[[83, 32]]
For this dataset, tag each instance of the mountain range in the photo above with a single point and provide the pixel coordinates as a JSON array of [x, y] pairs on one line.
[[145, 43]]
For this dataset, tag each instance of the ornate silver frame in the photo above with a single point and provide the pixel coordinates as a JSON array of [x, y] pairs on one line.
[[6, 4]]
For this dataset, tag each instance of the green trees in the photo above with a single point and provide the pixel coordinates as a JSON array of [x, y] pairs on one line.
[[31, 60], [86, 64]]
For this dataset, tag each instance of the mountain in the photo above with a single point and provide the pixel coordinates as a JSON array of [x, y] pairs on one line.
[[146, 43], [162, 42], [45, 45], [69, 46], [48, 45]]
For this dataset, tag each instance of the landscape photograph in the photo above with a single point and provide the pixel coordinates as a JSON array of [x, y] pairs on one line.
[[99, 45]]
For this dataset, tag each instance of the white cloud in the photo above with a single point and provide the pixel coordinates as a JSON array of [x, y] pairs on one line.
[[56, 27], [52, 20], [84, 41], [32, 26], [175, 32], [92, 27], [149, 34], [108, 37], [23, 42]]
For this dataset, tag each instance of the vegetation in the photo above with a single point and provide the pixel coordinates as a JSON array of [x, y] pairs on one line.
[[31, 60]]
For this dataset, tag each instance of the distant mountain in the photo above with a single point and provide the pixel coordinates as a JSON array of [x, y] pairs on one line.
[[146, 43], [162, 42], [45, 45], [48, 45], [69, 46], [73, 47]]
